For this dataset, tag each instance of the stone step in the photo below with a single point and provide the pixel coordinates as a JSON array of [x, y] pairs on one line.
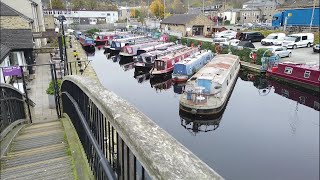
[[31, 145], [41, 129], [61, 146], [41, 125]]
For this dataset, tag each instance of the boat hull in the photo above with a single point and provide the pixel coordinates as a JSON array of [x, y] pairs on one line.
[[89, 48], [180, 78], [143, 67], [100, 43]]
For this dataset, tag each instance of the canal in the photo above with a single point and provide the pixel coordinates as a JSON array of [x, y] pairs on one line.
[[264, 133]]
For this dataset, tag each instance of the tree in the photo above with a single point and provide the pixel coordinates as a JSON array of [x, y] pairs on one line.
[[238, 19], [91, 4], [157, 8], [134, 13], [78, 4], [178, 7], [57, 4]]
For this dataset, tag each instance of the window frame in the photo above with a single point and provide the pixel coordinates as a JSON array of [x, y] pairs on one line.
[[288, 70]]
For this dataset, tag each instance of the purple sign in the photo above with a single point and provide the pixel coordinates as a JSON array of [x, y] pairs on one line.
[[12, 71]]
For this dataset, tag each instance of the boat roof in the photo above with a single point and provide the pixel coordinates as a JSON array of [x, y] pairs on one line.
[[194, 57], [179, 52], [315, 66], [168, 50], [217, 69], [162, 45]]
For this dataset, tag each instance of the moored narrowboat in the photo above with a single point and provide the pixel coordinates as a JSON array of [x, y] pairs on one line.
[[87, 43], [304, 75], [183, 70], [165, 64], [114, 46], [162, 46], [145, 61], [131, 50], [207, 91]]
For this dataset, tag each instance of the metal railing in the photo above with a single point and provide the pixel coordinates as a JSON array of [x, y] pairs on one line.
[[132, 144], [12, 105]]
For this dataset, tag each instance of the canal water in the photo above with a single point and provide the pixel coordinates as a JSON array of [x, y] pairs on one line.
[[264, 133]]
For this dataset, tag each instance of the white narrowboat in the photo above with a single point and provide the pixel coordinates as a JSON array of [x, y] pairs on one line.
[[207, 91], [131, 50], [183, 70]]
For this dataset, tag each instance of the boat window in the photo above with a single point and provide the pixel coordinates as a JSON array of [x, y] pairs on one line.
[[288, 70], [316, 105], [302, 99], [307, 74]]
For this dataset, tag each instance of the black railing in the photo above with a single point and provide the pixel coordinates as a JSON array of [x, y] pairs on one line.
[[118, 155], [12, 106]]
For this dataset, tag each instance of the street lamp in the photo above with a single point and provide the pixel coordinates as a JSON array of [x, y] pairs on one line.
[[62, 18]]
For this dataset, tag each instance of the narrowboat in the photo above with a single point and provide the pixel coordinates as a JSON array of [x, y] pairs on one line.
[[128, 51], [116, 45], [77, 34], [87, 43], [162, 46], [304, 75], [164, 65], [300, 95], [207, 91], [145, 61], [183, 70], [101, 38]]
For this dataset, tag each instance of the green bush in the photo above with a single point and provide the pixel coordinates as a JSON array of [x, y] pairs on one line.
[[172, 38], [227, 22], [92, 31], [50, 89]]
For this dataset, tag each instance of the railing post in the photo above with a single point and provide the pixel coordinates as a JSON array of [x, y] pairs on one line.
[[26, 93]]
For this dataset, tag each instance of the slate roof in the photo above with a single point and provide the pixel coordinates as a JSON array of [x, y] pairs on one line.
[[6, 10], [179, 19], [4, 51], [17, 38]]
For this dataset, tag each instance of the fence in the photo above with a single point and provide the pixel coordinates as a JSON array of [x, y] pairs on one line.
[[134, 146]]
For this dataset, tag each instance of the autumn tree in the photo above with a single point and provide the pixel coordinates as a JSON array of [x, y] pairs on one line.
[[143, 13], [57, 4], [134, 13], [157, 9]]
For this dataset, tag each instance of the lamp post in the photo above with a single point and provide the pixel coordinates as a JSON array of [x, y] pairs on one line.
[[62, 18]]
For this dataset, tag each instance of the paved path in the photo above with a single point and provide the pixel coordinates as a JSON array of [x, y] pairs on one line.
[[38, 94]]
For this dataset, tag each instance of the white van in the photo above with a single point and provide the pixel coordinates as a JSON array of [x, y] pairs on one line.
[[273, 39], [298, 40]]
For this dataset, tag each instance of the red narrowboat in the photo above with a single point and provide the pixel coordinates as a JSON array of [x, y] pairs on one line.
[[165, 64], [305, 75]]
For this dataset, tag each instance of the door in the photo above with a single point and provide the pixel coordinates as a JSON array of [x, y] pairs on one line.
[[304, 41]]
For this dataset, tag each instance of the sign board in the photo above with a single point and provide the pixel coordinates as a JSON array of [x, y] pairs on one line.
[[12, 71], [289, 14]]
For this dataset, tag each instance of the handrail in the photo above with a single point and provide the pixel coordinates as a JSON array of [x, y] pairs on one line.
[[106, 167], [159, 154]]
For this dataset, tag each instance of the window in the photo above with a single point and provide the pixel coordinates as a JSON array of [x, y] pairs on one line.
[[316, 105], [288, 70], [108, 14], [285, 93], [302, 99], [306, 74], [304, 37]]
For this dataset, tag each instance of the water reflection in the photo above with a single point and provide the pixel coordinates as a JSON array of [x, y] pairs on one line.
[[178, 88], [161, 82], [126, 64], [195, 124], [141, 76]]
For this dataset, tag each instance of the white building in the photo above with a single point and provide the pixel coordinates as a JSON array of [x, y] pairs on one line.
[[84, 16], [232, 15]]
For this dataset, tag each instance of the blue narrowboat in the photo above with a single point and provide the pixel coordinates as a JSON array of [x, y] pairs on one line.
[[87, 43], [185, 69]]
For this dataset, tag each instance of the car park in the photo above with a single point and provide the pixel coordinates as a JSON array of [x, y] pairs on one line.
[[298, 40], [280, 51], [251, 36], [273, 39], [316, 48], [232, 42], [220, 40]]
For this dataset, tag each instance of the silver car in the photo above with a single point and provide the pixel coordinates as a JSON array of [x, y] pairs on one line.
[[281, 51]]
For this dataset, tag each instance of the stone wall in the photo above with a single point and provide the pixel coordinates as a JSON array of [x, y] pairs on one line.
[[202, 20], [13, 22]]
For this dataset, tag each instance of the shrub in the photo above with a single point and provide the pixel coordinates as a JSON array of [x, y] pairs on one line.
[[172, 38], [50, 89]]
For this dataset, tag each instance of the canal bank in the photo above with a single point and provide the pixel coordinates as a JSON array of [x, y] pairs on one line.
[[262, 134]]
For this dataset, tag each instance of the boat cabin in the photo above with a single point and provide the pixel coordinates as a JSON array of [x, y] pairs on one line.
[[131, 50], [163, 46]]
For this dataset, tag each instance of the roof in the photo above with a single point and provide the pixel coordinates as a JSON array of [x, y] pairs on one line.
[[17, 38], [6, 10], [179, 19], [4, 51]]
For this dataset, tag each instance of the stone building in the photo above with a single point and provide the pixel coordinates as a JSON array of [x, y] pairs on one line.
[[16, 39], [187, 25], [33, 10], [267, 8], [250, 15]]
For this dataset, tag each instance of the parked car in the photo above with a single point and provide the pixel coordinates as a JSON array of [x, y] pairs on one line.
[[232, 42], [280, 51], [251, 36], [298, 40], [273, 39], [316, 48], [226, 34]]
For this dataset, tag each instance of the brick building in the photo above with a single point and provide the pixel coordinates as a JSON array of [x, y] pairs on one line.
[[187, 25]]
